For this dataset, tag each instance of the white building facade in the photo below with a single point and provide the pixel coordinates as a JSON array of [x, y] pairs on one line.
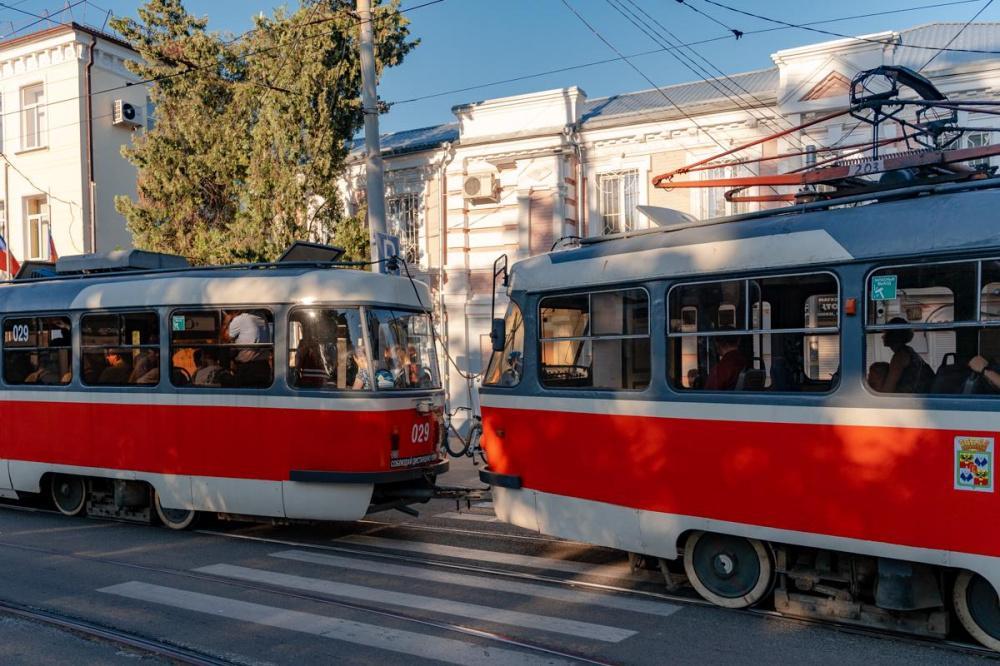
[[513, 175], [64, 117]]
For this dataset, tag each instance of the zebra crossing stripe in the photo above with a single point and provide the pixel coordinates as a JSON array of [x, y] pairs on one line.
[[476, 555], [384, 638], [475, 517], [660, 608], [462, 609]]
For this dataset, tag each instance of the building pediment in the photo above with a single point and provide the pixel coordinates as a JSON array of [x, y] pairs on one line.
[[833, 84]]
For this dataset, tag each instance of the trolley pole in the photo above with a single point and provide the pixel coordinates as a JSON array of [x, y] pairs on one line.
[[374, 185]]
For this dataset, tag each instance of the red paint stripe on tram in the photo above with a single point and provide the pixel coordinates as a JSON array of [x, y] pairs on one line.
[[233, 442], [885, 484]]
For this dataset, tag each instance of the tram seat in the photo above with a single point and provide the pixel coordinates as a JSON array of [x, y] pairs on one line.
[[752, 379], [951, 376]]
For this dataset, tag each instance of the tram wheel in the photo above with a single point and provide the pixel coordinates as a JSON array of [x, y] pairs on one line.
[[977, 608], [729, 571], [175, 519], [69, 493]]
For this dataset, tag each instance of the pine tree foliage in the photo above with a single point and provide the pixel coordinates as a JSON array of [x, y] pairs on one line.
[[351, 234], [250, 133]]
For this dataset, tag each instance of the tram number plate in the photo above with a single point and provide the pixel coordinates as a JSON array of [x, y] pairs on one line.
[[420, 433], [20, 333]]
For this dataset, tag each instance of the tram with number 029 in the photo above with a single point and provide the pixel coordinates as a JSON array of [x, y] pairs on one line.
[[134, 386], [797, 406]]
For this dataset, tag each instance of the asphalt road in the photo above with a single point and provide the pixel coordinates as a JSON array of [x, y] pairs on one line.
[[453, 586]]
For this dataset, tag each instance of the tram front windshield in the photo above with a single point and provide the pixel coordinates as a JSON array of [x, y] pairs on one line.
[[403, 350]]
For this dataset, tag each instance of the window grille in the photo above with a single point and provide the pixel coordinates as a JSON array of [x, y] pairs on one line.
[[619, 195]]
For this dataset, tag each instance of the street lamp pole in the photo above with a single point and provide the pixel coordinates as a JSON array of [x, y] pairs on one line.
[[374, 186]]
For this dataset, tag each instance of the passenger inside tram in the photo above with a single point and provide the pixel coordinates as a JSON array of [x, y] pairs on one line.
[[725, 374], [118, 368], [877, 374], [908, 371]]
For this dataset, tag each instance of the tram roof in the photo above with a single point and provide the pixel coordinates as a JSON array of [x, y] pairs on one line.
[[933, 221], [266, 286]]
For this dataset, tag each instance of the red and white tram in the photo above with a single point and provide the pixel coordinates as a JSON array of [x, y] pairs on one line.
[[288, 391], [802, 402]]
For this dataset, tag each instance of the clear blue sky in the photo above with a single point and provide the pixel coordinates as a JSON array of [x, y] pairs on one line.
[[471, 42]]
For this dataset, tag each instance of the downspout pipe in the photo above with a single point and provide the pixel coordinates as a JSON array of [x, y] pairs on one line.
[[449, 155], [92, 204]]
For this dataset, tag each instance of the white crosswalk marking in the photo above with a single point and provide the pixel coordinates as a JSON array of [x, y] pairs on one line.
[[475, 517], [404, 642], [660, 608], [435, 605], [532, 561]]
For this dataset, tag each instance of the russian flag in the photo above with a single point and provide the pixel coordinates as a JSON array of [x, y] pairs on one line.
[[53, 255], [7, 258]]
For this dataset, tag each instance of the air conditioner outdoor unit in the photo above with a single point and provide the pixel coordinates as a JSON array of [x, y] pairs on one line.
[[480, 186], [125, 114]]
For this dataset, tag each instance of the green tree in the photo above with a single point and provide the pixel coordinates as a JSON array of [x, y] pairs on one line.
[[351, 234], [251, 133]]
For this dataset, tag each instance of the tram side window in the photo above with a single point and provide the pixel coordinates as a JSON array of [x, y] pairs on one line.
[[505, 367], [120, 349], [595, 340], [934, 329], [326, 350], [37, 350], [770, 333], [403, 354], [229, 348]]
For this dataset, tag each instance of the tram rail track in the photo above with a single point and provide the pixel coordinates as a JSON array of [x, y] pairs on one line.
[[136, 642], [954, 646], [495, 637]]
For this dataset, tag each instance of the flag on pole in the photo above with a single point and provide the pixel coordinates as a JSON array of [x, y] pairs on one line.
[[53, 255], [7, 261]]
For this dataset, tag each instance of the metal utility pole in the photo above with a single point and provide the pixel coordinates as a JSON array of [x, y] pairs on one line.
[[375, 187]]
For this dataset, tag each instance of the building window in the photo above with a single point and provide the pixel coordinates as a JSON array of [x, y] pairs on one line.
[[595, 340], [713, 199], [774, 333], [618, 197], [37, 228], [403, 213], [979, 140], [33, 116]]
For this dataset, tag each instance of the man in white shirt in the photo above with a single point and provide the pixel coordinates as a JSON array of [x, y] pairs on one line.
[[253, 366]]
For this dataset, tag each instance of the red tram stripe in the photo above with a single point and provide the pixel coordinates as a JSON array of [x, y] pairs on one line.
[[234, 442], [888, 484]]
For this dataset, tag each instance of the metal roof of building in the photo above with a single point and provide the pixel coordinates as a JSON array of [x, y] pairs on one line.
[[412, 141], [762, 84], [974, 36]]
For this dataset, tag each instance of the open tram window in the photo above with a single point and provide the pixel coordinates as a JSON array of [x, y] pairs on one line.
[[224, 348], [37, 350], [403, 350], [595, 340], [326, 350], [505, 367], [932, 328], [769, 333], [120, 349]]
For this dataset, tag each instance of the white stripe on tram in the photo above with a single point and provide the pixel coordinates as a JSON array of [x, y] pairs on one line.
[[895, 417], [474, 517], [460, 609], [367, 402], [384, 638], [476, 555], [647, 607]]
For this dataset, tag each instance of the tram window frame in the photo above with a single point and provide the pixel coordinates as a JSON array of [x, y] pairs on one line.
[[360, 343], [123, 346], [588, 339], [752, 326], [947, 380], [8, 348], [503, 370], [386, 375], [220, 312]]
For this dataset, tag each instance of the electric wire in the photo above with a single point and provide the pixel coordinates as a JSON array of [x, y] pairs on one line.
[[806, 26], [961, 30], [39, 18], [639, 54]]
